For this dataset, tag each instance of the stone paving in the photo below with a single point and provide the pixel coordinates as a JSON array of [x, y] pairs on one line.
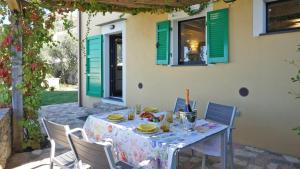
[[246, 157]]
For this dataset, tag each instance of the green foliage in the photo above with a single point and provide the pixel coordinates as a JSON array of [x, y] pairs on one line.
[[297, 129], [52, 89], [63, 60], [33, 136], [35, 33], [58, 97], [296, 79]]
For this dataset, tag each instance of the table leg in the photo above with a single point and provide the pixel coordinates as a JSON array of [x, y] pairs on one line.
[[173, 159], [224, 150]]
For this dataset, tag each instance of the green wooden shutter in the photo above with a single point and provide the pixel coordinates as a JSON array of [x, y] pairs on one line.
[[217, 36], [94, 67], [163, 42]]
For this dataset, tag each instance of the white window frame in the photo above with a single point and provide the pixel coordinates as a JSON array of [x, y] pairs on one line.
[[175, 18], [259, 17]]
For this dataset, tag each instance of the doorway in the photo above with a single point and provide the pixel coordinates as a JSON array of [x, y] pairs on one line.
[[115, 67]]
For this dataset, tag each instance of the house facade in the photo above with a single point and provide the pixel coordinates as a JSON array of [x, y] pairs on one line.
[[231, 54]]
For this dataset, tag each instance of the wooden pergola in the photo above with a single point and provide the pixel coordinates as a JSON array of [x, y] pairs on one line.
[[115, 5]]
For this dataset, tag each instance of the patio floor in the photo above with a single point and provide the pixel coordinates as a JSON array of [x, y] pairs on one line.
[[246, 157]]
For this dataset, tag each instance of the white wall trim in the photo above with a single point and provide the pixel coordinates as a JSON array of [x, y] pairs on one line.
[[259, 17], [119, 27], [175, 18]]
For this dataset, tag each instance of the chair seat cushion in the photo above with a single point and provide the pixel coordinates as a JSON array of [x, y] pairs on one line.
[[123, 165], [66, 159]]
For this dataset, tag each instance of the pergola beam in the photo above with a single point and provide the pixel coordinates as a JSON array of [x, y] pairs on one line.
[[133, 4]]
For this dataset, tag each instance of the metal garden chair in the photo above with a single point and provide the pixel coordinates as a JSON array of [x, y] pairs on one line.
[[220, 114], [97, 155], [57, 135], [180, 104]]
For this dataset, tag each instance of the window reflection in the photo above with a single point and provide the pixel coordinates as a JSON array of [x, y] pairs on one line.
[[283, 15], [192, 46]]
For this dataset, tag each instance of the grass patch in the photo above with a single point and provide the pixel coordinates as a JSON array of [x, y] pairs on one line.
[[58, 97]]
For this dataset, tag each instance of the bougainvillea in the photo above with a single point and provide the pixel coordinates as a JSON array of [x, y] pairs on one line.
[[35, 34], [37, 22]]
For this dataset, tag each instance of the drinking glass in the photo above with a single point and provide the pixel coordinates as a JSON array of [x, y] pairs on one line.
[[169, 116], [165, 125], [131, 114], [138, 109]]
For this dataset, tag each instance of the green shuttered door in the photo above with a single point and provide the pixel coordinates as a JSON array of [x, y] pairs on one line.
[[162, 42], [217, 36], [94, 53]]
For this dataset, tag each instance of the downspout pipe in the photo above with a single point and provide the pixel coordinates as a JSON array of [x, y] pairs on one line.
[[79, 59]]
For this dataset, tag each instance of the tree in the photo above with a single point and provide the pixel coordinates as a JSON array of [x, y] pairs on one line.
[[63, 60]]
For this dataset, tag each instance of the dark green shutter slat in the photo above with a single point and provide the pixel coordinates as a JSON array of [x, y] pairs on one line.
[[163, 42], [217, 36], [94, 52]]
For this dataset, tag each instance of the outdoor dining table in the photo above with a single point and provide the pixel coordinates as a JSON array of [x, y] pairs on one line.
[[157, 150]]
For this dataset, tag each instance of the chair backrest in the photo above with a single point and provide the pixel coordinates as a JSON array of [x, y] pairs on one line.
[[97, 155], [180, 104], [57, 132], [220, 113]]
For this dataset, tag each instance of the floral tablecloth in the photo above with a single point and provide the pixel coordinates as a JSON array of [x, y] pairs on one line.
[[151, 150]]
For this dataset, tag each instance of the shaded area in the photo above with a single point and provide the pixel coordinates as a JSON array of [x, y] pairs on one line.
[[245, 157], [58, 97]]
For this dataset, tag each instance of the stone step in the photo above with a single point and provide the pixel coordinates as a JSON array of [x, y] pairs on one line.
[[101, 107]]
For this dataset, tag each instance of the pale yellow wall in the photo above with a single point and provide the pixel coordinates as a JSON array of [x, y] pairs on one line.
[[267, 115]]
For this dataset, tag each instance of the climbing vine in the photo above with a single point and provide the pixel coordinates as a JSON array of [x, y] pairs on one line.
[[37, 23]]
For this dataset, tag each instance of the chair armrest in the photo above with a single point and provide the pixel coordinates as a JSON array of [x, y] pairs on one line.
[[81, 131], [104, 143]]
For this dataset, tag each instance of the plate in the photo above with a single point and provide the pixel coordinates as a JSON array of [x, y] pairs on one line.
[[150, 109], [148, 132], [116, 120], [117, 117], [146, 127]]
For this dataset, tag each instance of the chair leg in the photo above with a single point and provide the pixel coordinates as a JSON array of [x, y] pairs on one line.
[[203, 162], [52, 153], [51, 164], [231, 156]]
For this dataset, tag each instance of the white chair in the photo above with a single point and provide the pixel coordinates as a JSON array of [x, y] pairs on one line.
[[180, 104], [57, 135], [97, 155], [222, 114]]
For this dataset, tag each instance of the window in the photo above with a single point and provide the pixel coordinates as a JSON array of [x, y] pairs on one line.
[[192, 43], [283, 15]]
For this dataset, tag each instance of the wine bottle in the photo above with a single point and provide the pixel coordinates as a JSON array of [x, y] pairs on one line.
[[187, 101]]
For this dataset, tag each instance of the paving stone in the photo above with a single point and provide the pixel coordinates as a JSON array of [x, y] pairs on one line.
[[215, 165], [289, 166], [252, 166], [239, 162], [272, 166], [253, 149], [261, 160], [291, 159], [37, 152], [281, 162], [244, 153], [297, 165]]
